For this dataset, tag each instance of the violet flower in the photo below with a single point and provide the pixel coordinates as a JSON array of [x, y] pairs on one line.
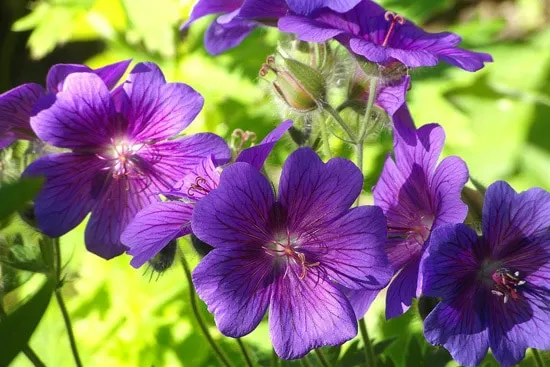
[[289, 253], [155, 226], [16, 104], [382, 37], [416, 195], [120, 157], [494, 288]]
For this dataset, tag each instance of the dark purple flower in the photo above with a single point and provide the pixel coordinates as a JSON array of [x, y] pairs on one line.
[[494, 288], [290, 253], [120, 157], [16, 104], [158, 224], [416, 195], [383, 37]]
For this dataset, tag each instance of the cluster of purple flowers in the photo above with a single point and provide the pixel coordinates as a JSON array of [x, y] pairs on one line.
[[304, 252]]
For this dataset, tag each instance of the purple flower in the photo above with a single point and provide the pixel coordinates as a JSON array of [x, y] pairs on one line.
[[291, 253], [381, 36], [494, 288], [16, 104], [155, 226], [120, 157], [416, 195]]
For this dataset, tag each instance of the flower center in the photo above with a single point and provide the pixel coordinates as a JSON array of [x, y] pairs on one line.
[[120, 156], [199, 186], [418, 230], [394, 19], [284, 250], [506, 284]]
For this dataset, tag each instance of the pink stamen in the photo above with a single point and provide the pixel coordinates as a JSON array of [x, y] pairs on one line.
[[394, 18]]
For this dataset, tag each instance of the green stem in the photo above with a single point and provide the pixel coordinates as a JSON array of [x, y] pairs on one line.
[[370, 104], [538, 358], [196, 312], [62, 306], [245, 353], [321, 358], [367, 346], [305, 362], [325, 137], [274, 359], [336, 116]]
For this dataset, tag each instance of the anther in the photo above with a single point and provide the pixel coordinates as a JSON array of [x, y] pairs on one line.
[[198, 186], [394, 18]]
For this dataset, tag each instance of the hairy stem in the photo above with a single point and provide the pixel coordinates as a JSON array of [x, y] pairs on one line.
[[368, 111], [336, 116], [245, 353], [193, 299], [325, 137], [367, 346], [61, 303]]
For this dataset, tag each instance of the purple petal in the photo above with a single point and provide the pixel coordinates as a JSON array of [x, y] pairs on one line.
[[307, 29], [236, 286], [120, 200], [66, 197], [351, 249], [307, 7], [403, 288], [369, 50], [15, 111], [403, 125], [257, 154], [154, 227], [237, 212], [425, 152], [6, 141], [222, 37], [465, 59], [360, 300], [313, 192], [392, 97], [204, 178], [264, 10], [158, 110], [308, 313], [206, 7], [59, 72], [82, 115], [446, 185], [112, 73], [509, 217]]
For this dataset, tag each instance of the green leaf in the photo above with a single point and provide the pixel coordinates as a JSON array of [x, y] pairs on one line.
[[380, 347], [14, 196], [17, 329], [414, 354], [354, 356], [12, 279], [25, 256]]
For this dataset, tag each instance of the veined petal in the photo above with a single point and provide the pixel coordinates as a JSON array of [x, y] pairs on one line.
[[424, 152], [82, 115], [220, 37], [59, 72], [313, 192], [446, 185], [204, 178], [257, 154], [307, 7], [308, 313], [154, 227], [264, 10], [403, 288], [158, 110], [392, 97], [15, 111], [238, 211], [206, 7], [509, 217], [236, 285], [66, 197], [307, 29], [119, 201], [112, 73], [360, 300]]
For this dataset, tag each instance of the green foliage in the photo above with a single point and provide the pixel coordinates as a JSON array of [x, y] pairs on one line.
[[14, 196]]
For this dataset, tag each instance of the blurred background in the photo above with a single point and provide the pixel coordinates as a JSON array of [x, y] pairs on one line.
[[497, 120]]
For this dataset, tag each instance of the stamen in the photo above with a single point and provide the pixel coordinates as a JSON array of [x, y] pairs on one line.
[[507, 284], [394, 18], [287, 251], [198, 186]]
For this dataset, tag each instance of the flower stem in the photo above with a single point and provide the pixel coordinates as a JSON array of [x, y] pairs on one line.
[[274, 359], [325, 137], [245, 353], [538, 358], [61, 303], [336, 116], [369, 353], [305, 362], [196, 312], [321, 358], [368, 111]]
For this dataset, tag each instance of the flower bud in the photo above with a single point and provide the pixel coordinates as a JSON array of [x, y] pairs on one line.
[[318, 56], [201, 247], [296, 84], [165, 258]]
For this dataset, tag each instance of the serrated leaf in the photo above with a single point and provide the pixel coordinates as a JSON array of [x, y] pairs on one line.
[[12, 279], [14, 196], [18, 327]]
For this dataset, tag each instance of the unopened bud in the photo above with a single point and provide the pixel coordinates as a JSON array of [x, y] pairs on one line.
[[200, 246], [319, 56], [165, 258]]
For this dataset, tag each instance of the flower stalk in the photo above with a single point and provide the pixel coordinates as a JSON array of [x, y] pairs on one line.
[[246, 356], [367, 345]]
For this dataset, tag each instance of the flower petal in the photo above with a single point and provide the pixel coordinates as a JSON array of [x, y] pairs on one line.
[[158, 110], [351, 249], [238, 211], [360, 300], [424, 152], [154, 227], [206, 7], [403, 288], [257, 154], [263, 10], [82, 115], [15, 111], [307, 7], [236, 285], [306, 29], [465, 59], [392, 97], [118, 203], [446, 186], [222, 37], [308, 313], [112, 73], [313, 192], [204, 178], [66, 197], [59, 72], [509, 217]]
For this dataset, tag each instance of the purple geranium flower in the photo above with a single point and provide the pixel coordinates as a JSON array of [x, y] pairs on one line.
[[494, 288], [155, 226], [16, 104], [290, 253], [383, 37], [120, 157], [416, 195]]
